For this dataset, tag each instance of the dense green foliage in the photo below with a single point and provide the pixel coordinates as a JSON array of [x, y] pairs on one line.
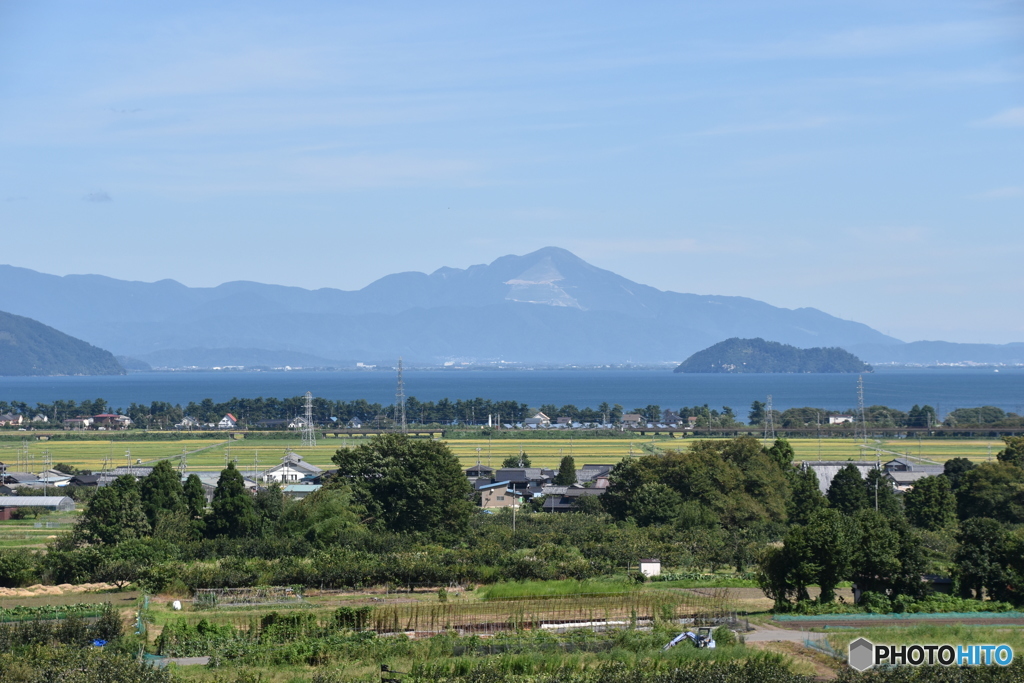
[[408, 485], [73, 664], [737, 355], [28, 347], [931, 504], [566, 474]]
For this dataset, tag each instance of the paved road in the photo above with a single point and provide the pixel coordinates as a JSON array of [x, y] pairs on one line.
[[187, 661], [768, 633]]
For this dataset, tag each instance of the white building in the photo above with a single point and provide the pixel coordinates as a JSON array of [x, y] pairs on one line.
[[229, 421], [291, 470]]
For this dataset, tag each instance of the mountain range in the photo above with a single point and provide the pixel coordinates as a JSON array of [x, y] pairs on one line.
[[548, 307]]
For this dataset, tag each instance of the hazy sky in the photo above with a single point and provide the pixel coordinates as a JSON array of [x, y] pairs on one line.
[[865, 157]]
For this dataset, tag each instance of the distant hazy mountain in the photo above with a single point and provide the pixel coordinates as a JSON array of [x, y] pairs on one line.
[[544, 307], [28, 347], [760, 356]]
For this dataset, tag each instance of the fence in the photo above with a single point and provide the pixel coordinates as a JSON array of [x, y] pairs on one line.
[[595, 611]]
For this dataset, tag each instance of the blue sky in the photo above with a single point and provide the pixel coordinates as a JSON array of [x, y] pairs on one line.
[[865, 158]]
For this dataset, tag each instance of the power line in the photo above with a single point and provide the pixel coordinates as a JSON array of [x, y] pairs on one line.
[[769, 421], [400, 401], [308, 435]]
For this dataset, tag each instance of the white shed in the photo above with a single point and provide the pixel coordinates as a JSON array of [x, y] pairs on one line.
[[650, 567]]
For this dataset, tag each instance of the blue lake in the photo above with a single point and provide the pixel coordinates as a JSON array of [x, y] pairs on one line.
[[943, 388]]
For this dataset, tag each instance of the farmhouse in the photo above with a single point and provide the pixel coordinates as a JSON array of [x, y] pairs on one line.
[[839, 419], [632, 420], [903, 473], [292, 469], [109, 421], [499, 495], [229, 421], [564, 498]]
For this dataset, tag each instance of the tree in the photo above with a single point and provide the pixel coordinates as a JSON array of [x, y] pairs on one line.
[[819, 552], [566, 472], [654, 503], [931, 504], [1014, 451], [324, 518], [782, 452], [979, 559], [992, 489], [17, 568], [881, 495], [516, 461], [114, 514], [828, 539], [408, 485], [269, 505], [847, 493], [757, 414], [194, 496], [875, 558], [735, 481], [805, 496], [233, 511], [161, 492], [954, 469]]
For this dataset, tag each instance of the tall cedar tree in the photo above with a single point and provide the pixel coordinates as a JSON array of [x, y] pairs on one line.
[[114, 514], [566, 472], [195, 496], [161, 492], [805, 495], [931, 504], [847, 492], [408, 485], [233, 512]]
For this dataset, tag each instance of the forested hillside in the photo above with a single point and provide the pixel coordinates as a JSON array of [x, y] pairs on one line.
[[28, 347], [758, 355]]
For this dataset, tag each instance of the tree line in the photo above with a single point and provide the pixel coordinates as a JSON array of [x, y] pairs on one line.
[[164, 415]]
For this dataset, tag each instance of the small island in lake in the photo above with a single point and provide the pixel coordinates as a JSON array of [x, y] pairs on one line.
[[757, 355]]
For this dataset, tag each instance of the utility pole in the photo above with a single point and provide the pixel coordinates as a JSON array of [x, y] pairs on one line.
[[400, 401], [860, 407], [769, 421]]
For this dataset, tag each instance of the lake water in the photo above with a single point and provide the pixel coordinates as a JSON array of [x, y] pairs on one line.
[[943, 388]]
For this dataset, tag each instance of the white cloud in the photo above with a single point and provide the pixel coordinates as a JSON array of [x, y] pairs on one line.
[[1002, 193], [1010, 118]]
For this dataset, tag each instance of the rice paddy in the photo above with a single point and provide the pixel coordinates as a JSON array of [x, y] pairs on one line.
[[255, 453]]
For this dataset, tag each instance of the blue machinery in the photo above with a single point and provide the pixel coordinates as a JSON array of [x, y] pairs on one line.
[[702, 638]]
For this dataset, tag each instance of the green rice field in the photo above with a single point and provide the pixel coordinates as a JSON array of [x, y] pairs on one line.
[[254, 453]]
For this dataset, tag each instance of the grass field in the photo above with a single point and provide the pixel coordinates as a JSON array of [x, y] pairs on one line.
[[213, 454]]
